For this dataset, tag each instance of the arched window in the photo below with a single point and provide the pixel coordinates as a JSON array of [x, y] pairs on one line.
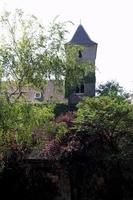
[[80, 54]]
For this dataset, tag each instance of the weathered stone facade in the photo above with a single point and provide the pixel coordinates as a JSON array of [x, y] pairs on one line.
[[51, 92], [87, 53]]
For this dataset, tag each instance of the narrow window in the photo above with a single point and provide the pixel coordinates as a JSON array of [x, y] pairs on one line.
[[77, 89], [80, 54], [82, 88]]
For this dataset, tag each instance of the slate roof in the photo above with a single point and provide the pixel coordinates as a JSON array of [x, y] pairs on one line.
[[81, 37]]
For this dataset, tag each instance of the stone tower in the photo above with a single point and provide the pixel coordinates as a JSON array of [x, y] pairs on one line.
[[87, 53]]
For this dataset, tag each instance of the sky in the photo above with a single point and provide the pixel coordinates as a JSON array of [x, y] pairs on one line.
[[107, 22]]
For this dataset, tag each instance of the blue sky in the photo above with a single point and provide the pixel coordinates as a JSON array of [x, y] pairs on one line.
[[108, 22]]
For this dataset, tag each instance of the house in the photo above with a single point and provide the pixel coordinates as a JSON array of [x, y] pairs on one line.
[[53, 91]]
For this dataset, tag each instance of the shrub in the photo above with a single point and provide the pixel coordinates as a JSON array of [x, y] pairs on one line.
[[18, 124], [110, 117], [60, 108]]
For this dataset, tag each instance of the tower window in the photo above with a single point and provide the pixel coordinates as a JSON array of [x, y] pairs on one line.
[[77, 89], [80, 54], [80, 89]]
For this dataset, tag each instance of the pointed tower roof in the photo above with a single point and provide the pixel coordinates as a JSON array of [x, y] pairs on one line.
[[81, 37]]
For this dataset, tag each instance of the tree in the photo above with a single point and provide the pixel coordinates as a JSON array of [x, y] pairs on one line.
[[110, 117], [111, 88], [27, 54]]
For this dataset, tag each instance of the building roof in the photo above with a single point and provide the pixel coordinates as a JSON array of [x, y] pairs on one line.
[[81, 37]]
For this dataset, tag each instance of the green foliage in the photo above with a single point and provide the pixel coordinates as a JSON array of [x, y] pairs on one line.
[[20, 46], [18, 121], [60, 108], [61, 130], [29, 54], [111, 88], [56, 130], [105, 115]]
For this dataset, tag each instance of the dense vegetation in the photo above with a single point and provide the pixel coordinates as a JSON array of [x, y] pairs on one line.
[[92, 145]]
